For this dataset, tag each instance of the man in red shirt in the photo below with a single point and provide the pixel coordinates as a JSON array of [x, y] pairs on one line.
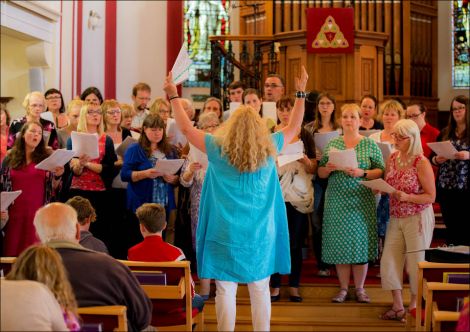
[[417, 113], [152, 219]]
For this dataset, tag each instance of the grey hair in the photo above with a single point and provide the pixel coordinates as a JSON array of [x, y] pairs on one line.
[[206, 118], [409, 128], [56, 221], [188, 106]]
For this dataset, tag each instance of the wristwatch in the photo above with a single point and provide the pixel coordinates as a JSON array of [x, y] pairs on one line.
[[365, 174], [300, 94]]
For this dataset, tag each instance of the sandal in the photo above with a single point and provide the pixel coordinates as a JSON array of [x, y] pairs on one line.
[[361, 296], [341, 296], [391, 314]]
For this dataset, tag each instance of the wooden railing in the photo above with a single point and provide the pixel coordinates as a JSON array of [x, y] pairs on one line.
[[409, 63]]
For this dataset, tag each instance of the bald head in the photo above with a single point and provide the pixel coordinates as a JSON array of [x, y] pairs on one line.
[[56, 221]]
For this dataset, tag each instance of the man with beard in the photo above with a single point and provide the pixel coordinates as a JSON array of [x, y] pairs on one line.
[[141, 97]]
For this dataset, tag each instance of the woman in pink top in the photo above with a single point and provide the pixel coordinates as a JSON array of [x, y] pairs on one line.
[[411, 215]]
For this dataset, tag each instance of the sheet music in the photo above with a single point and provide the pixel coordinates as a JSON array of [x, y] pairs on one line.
[[7, 197], [233, 107], [84, 143], [369, 132], [378, 184], [122, 148], [444, 149], [386, 149], [181, 66], [270, 113], [196, 155], [322, 139], [56, 159], [343, 158], [47, 116], [168, 166]]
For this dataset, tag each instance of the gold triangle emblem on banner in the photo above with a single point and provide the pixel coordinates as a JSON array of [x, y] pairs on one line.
[[330, 36]]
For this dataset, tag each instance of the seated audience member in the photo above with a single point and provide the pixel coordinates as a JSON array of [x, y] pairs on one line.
[[417, 113], [86, 215], [34, 103], [43, 264], [152, 219], [96, 279], [73, 113], [411, 225], [29, 306], [55, 104], [38, 187], [368, 113]]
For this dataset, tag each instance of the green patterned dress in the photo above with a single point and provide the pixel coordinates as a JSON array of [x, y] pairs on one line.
[[349, 221]]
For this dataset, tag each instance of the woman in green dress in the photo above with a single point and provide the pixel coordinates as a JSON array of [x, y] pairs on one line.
[[349, 221]]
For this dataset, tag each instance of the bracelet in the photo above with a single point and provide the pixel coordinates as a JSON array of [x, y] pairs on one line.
[[173, 97], [300, 94]]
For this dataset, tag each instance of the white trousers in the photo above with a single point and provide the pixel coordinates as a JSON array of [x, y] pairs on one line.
[[226, 304]]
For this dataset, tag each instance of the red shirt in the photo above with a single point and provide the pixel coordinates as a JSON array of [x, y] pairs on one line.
[[428, 134], [154, 249]]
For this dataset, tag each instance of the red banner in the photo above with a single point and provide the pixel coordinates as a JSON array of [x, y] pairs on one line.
[[330, 30]]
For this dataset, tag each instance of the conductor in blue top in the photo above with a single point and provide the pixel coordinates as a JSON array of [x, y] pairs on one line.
[[242, 234]]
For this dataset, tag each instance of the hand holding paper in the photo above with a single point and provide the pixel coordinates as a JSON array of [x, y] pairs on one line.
[[181, 66], [379, 185], [57, 159], [444, 149], [343, 158], [168, 166], [85, 144]]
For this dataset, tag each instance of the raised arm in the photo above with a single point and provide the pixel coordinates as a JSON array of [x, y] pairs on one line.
[[297, 116], [194, 135]]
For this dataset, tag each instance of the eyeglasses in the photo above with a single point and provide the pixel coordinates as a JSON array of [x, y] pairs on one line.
[[326, 104], [397, 137], [52, 97], [458, 108], [272, 86], [113, 112], [210, 127], [97, 112], [413, 116]]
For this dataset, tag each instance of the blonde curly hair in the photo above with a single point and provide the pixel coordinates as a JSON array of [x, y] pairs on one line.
[[245, 140]]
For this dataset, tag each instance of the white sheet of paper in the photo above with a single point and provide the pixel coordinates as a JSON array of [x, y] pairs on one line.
[[270, 111], [168, 166], [378, 184], [293, 148], [369, 132], [46, 135], [285, 159], [135, 135], [343, 158], [174, 134], [84, 143], [386, 149], [181, 66], [233, 107], [322, 139], [122, 148], [196, 155], [47, 116], [57, 158], [444, 149], [7, 197]]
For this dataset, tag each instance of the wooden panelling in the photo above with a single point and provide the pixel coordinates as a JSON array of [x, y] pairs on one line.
[[367, 76]]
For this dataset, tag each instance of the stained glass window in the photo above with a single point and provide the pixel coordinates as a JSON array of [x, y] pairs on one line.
[[202, 19], [461, 44]]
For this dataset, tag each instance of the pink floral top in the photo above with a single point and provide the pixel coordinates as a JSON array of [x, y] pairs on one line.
[[405, 180]]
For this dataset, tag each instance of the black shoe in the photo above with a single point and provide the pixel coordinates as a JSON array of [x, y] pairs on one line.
[[275, 298], [294, 298]]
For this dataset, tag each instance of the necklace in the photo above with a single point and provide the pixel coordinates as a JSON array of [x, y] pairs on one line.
[[403, 163]]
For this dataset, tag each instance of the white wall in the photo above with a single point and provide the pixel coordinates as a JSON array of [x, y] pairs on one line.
[[141, 46], [445, 91]]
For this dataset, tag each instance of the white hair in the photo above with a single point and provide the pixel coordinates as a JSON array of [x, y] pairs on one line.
[[409, 128], [56, 221], [188, 107]]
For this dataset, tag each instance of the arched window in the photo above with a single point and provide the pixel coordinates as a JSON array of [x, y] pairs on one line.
[[203, 18], [460, 43]]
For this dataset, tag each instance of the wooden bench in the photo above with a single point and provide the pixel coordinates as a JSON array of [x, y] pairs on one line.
[[111, 317], [430, 272], [443, 319], [172, 303], [5, 265]]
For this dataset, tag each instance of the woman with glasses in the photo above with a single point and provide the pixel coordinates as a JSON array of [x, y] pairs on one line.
[[453, 185], [325, 121], [349, 219], [193, 173], [92, 177], [38, 187], [390, 113], [55, 105], [368, 112], [411, 224], [34, 103]]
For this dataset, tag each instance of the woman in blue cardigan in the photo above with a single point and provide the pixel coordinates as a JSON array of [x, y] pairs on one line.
[[146, 184]]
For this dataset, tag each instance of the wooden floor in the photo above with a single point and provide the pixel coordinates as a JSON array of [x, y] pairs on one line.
[[316, 312]]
